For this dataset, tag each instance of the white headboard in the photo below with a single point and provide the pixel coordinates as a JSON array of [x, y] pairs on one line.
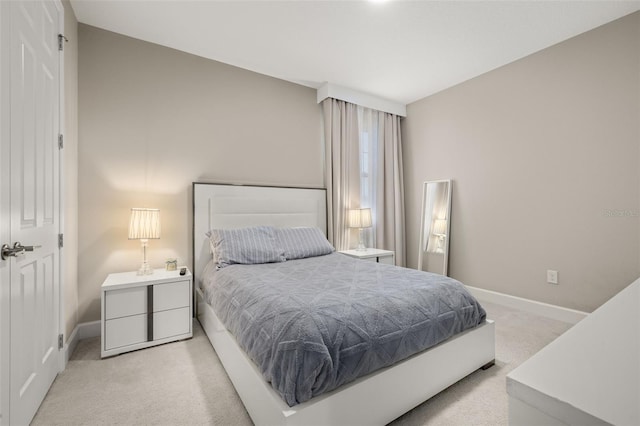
[[218, 206]]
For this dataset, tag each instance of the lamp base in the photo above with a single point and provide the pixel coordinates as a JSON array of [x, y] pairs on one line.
[[145, 269], [361, 246]]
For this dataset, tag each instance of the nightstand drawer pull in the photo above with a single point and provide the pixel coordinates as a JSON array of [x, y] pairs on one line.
[[150, 313]]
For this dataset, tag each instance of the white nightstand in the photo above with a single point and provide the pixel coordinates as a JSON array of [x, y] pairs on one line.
[[139, 311], [371, 254]]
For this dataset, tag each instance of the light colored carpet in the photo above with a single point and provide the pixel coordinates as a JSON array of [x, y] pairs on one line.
[[183, 383]]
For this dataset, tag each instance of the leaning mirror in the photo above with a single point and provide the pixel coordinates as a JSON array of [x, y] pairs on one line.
[[435, 226]]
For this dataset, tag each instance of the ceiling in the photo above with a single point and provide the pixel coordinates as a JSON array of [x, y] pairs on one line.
[[398, 50]]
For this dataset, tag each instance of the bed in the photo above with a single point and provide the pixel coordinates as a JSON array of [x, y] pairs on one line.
[[375, 398]]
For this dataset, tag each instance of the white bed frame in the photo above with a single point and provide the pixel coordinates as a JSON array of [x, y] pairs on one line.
[[377, 398]]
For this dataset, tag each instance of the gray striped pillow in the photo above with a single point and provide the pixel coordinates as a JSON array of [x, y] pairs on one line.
[[245, 246], [299, 243]]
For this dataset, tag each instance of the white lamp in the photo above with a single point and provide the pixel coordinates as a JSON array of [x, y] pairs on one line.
[[144, 225], [360, 218], [440, 231]]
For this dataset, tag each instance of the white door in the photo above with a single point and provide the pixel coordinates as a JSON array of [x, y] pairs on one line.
[[33, 211]]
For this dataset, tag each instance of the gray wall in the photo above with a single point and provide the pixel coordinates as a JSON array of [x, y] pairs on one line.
[[152, 121], [540, 151]]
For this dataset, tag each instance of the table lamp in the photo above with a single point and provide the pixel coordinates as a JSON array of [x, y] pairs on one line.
[[440, 231], [144, 225], [360, 218]]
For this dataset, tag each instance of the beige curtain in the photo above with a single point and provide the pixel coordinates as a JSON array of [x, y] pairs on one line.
[[389, 190], [343, 179], [342, 168]]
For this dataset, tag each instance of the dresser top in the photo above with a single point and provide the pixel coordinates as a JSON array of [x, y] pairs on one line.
[[132, 278]]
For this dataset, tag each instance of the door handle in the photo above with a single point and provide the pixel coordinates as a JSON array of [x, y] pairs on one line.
[[17, 250]]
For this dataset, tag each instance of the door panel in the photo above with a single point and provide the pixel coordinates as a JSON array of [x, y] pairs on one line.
[[34, 200], [23, 309]]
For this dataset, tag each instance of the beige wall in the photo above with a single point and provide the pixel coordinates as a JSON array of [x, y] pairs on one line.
[[153, 120], [540, 151], [70, 164]]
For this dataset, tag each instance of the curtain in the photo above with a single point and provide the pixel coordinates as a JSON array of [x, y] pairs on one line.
[[389, 187], [342, 168], [363, 166]]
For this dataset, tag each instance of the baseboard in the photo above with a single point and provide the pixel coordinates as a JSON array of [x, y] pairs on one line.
[[84, 330], [555, 312], [88, 329]]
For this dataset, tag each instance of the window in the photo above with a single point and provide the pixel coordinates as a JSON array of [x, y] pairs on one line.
[[368, 135]]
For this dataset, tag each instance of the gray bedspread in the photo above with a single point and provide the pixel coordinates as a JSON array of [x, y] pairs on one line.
[[312, 325]]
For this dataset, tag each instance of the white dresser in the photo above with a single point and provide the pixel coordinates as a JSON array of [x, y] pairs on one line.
[[590, 375], [139, 311]]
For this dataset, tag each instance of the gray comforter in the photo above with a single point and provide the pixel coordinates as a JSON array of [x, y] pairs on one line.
[[312, 325]]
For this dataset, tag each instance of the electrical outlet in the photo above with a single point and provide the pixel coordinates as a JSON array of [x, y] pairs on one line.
[[552, 276]]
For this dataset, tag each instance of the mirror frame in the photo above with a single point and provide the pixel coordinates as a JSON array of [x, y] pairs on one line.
[[445, 268]]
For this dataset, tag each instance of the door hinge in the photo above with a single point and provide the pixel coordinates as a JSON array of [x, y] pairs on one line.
[[60, 341], [60, 141], [61, 40], [60, 240]]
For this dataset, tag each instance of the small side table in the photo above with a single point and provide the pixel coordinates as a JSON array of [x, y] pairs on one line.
[[139, 311], [373, 255]]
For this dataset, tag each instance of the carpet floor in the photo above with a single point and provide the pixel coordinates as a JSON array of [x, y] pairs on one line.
[[183, 383]]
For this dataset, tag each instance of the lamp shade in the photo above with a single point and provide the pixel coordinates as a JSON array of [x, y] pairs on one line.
[[360, 218], [144, 224], [440, 227]]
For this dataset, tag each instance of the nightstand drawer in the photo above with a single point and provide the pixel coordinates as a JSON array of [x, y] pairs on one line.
[[125, 302], [125, 331], [171, 296], [386, 259], [171, 323]]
